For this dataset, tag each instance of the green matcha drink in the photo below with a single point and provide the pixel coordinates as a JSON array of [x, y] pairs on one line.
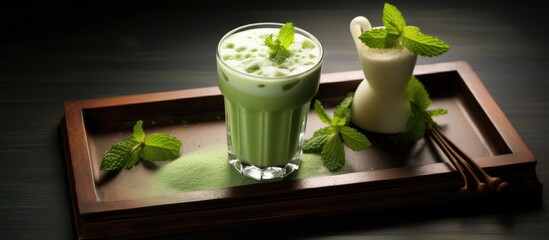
[[266, 101]]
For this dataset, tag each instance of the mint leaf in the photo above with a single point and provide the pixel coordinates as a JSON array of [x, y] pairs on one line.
[[286, 35], [374, 38], [341, 114], [127, 153], [393, 20], [396, 32], [391, 40], [423, 44], [160, 147], [270, 43], [333, 154], [346, 102], [320, 136], [416, 125], [315, 144], [329, 141], [420, 118], [138, 133], [279, 55], [417, 93], [321, 113], [329, 130], [121, 155], [353, 139], [278, 49], [437, 112]]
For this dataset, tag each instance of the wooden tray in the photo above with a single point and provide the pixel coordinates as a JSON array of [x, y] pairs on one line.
[[129, 204]]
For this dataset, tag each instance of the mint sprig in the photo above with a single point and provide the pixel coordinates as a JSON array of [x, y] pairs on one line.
[[329, 141], [127, 153], [420, 118], [279, 48], [396, 32]]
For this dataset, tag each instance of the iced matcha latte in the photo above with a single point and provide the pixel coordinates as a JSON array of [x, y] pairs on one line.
[[267, 100]]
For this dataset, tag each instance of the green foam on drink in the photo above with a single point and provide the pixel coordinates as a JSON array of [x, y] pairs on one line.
[[250, 44]]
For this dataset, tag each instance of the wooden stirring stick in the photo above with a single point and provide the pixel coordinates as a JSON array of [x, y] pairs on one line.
[[465, 165]]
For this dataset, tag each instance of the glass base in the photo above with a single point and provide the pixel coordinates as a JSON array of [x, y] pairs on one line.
[[267, 173]]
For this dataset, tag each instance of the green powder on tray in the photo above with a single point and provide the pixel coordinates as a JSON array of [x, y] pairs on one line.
[[208, 168]]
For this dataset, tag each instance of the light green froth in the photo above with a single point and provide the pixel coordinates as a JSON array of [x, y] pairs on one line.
[[251, 44]]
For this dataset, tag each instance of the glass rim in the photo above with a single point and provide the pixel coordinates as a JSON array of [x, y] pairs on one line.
[[262, 24]]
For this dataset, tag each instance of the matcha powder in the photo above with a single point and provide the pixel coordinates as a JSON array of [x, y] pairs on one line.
[[208, 168]]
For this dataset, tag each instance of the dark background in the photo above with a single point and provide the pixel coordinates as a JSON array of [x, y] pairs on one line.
[[57, 51]]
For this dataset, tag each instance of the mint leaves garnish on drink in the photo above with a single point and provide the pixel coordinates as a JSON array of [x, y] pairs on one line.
[[396, 32], [420, 118], [329, 141], [279, 48], [127, 153]]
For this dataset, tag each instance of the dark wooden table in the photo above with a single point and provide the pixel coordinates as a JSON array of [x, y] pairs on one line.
[[55, 52]]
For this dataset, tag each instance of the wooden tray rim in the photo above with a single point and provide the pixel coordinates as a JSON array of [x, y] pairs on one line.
[[86, 203]]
